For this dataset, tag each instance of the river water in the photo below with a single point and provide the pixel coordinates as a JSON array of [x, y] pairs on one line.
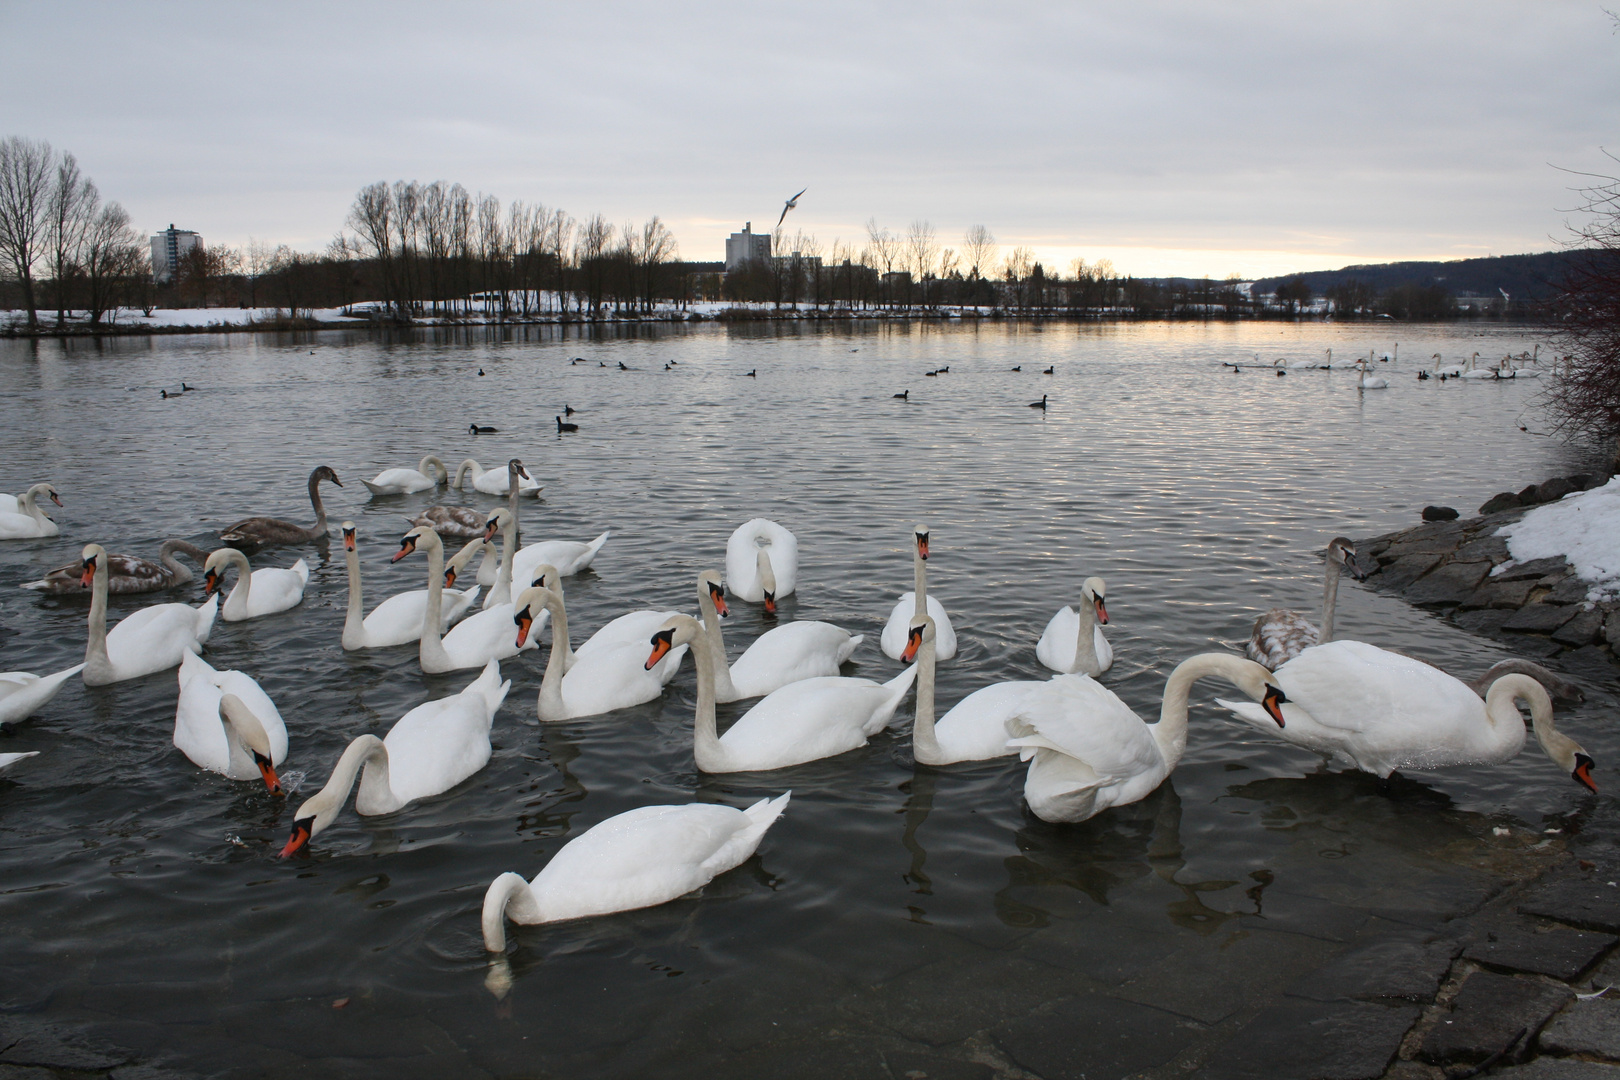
[[894, 911]]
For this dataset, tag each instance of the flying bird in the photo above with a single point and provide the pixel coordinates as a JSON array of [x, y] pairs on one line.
[[789, 205]]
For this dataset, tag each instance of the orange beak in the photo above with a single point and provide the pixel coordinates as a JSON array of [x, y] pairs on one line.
[[1273, 702], [922, 548], [210, 582], [55, 498], [1583, 772], [661, 644], [268, 771], [89, 575], [406, 546], [299, 837], [1102, 612], [525, 622], [489, 529], [348, 541], [450, 577], [770, 604], [719, 601], [913, 643]]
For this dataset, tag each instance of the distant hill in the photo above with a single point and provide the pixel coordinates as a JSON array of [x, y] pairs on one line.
[[1522, 277]]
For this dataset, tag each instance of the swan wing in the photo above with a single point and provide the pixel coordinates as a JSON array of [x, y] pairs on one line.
[[198, 731], [277, 590], [742, 562], [1056, 647], [488, 635], [22, 694], [1279, 635], [1079, 717], [158, 637], [613, 677], [812, 719], [633, 626]]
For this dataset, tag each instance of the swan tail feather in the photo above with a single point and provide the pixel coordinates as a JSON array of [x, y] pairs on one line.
[[206, 614], [897, 688], [38, 586], [301, 568], [849, 647], [489, 686], [596, 545]]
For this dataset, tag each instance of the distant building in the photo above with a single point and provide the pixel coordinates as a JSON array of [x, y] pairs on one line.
[[746, 247], [168, 248]]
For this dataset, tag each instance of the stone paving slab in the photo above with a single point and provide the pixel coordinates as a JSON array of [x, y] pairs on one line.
[[58, 1049], [1403, 970], [1091, 1035], [1535, 568], [1485, 620], [1540, 618], [1407, 569], [1587, 1027], [1558, 1069], [1448, 584], [1583, 629], [1349, 1040], [1562, 954], [1577, 897], [25, 1072], [1487, 1012]]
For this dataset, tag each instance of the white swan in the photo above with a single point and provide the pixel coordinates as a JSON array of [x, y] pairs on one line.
[[1073, 640], [917, 602], [23, 694], [1281, 634], [496, 481], [642, 857], [1369, 381], [634, 626], [762, 563], [1088, 751], [29, 521], [257, 593], [1450, 371], [152, 639], [570, 557], [976, 728], [398, 619], [225, 723], [8, 760], [474, 641], [607, 679], [803, 721], [1381, 711], [406, 481], [781, 655], [1476, 372], [428, 751]]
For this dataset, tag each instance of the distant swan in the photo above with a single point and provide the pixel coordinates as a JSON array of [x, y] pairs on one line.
[[253, 533], [1073, 640], [406, 481], [30, 522], [762, 562], [496, 482]]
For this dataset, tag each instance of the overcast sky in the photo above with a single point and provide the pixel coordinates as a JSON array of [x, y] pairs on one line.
[[1174, 138]]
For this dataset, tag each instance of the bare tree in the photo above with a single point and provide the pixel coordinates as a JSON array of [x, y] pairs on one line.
[[69, 208], [882, 246], [25, 177], [256, 261], [1586, 399], [656, 246], [111, 256], [1019, 264], [979, 248], [201, 269], [922, 248], [590, 250], [372, 219]]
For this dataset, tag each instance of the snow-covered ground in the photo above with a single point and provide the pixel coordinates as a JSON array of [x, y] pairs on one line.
[[1583, 527], [202, 318]]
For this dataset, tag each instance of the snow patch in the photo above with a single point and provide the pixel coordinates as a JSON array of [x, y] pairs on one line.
[[1583, 527]]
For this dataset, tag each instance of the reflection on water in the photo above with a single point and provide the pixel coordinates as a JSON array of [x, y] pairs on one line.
[[140, 893]]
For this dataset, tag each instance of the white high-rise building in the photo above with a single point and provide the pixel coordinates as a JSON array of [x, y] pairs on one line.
[[746, 247], [168, 248]]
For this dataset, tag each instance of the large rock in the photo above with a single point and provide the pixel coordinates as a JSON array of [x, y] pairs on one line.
[[1482, 621], [1551, 1068], [1494, 593], [1535, 568], [1493, 548], [1350, 1040], [1611, 628], [1529, 495], [1562, 954], [1440, 513], [1407, 569], [1451, 584], [1554, 489], [1499, 502], [1583, 629], [1588, 1027], [1540, 618], [1486, 1014], [1577, 897], [1572, 590]]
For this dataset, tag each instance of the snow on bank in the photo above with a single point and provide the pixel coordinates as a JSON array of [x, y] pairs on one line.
[[1584, 528]]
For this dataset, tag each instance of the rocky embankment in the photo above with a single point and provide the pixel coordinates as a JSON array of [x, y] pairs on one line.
[[1538, 607]]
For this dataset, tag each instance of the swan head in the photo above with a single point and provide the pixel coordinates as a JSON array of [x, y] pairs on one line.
[[497, 521], [922, 542], [91, 554], [348, 536], [547, 577], [1501, 702], [767, 580], [530, 603], [516, 466], [1343, 551], [419, 535], [250, 729], [920, 633], [1096, 593], [677, 630], [214, 568], [43, 489], [709, 583], [459, 561], [325, 473]]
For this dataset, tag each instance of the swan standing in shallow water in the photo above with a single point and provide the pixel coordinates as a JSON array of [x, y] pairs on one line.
[[1381, 711], [474, 641], [762, 563], [406, 481], [428, 751], [604, 680], [642, 857], [1281, 634], [126, 573], [225, 723], [918, 602], [30, 522], [1073, 640], [803, 721], [1087, 751], [976, 728], [23, 694], [781, 655], [257, 592], [253, 533], [152, 639], [398, 619]]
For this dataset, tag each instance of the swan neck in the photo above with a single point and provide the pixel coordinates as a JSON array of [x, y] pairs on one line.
[[237, 601], [550, 704], [706, 749], [1170, 733], [715, 639], [467, 466], [355, 616], [430, 653], [1330, 596], [1501, 707], [1085, 638], [919, 579], [95, 649], [320, 507], [924, 741], [503, 892]]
